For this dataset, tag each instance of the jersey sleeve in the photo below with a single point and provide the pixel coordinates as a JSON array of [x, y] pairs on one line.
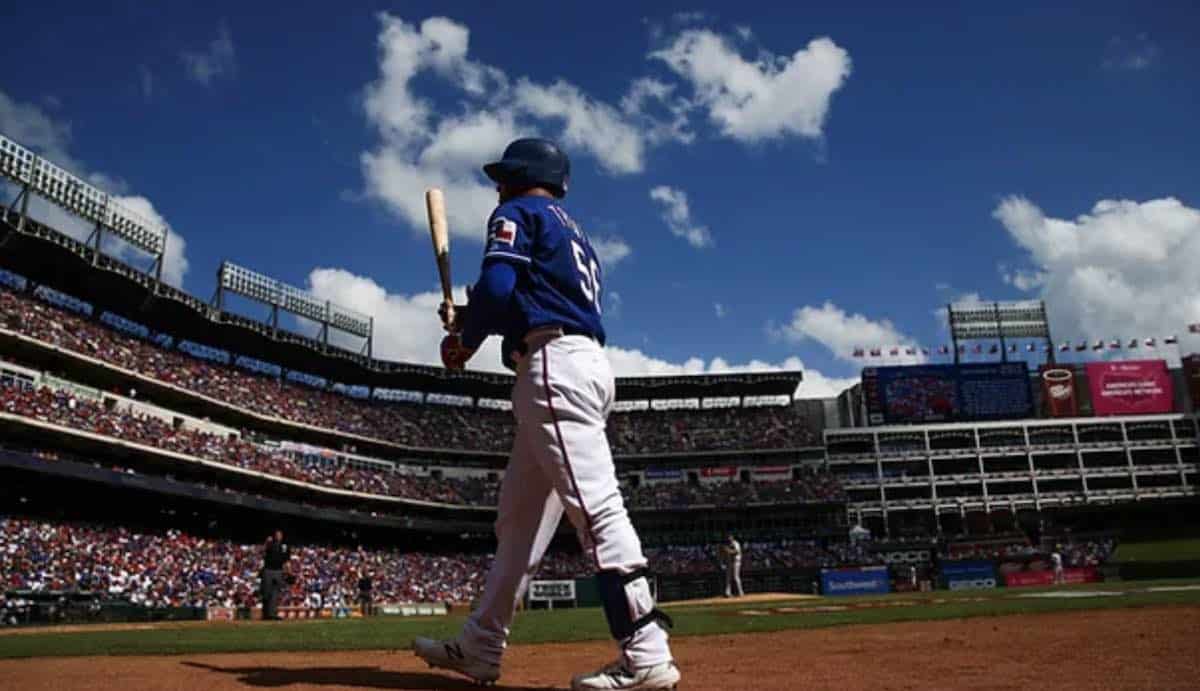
[[509, 237]]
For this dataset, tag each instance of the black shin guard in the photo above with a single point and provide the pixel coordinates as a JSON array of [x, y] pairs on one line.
[[628, 604]]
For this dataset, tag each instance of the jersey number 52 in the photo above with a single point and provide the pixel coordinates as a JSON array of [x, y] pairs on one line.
[[589, 271]]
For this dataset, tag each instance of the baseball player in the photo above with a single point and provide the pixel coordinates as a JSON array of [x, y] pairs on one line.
[[1056, 562], [540, 289], [732, 550]]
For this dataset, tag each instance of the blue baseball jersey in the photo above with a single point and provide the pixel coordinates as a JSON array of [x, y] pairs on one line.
[[559, 280]]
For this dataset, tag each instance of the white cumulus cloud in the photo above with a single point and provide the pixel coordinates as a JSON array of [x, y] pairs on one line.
[[841, 333], [1124, 269], [611, 250], [423, 146], [769, 97], [678, 216]]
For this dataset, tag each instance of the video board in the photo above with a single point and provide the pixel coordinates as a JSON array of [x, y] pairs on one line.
[[946, 393]]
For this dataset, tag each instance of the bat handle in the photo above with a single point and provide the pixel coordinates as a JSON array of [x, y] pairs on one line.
[[446, 312]]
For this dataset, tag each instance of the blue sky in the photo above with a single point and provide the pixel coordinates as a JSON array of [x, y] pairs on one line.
[[846, 169]]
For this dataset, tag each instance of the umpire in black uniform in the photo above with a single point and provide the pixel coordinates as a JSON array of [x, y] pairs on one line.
[[275, 557]]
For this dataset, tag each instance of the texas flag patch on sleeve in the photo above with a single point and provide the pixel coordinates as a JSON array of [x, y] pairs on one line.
[[503, 231]]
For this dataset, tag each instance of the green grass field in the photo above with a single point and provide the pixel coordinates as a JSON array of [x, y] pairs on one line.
[[584, 624], [1162, 550]]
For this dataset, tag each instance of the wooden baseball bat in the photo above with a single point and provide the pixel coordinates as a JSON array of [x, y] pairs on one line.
[[439, 232]]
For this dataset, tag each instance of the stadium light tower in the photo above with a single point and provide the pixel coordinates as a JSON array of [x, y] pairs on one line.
[[281, 296], [35, 175], [988, 320]]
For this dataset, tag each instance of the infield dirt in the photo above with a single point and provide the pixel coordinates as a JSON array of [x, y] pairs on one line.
[[1137, 648]]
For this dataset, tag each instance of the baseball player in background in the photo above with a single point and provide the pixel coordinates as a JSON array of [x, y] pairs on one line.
[[732, 551], [1056, 562], [540, 289]]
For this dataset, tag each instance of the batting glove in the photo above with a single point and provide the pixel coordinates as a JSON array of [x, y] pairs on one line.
[[454, 354]]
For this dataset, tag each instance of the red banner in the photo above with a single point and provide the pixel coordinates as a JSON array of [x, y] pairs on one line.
[[771, 471], [220, 614], [718, 472], [1191, 372], [1020, 579], [1058, 392], [1130, 387]]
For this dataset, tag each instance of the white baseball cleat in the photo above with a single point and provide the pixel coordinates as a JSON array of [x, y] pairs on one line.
[[450, 655], [616, 677]]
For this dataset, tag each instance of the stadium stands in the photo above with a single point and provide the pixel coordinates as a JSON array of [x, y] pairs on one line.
[[409, 424], [61, 407]]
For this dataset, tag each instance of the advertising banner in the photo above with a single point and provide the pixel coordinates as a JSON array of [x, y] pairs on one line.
[[546, 591], [905, 556], [417, 609], [969, 575], [220, 614], [664, 474], [718, 472], [1191, 373], [1130, 387], [1020, 579], [771, 472], [1059, 398], [946, 393], [862, 580]]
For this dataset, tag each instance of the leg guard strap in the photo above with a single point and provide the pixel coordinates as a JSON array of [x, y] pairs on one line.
[[628, 604]]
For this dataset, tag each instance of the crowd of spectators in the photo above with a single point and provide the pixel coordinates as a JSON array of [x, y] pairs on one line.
[[993, 548], [1077, 554], [776, 554], [810, 487], [410, 424], [1074, 552], [171, 568], [714, 429], [174, 569], [62, 407]]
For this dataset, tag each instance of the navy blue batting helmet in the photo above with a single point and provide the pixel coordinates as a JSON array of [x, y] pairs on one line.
[[530, 163]]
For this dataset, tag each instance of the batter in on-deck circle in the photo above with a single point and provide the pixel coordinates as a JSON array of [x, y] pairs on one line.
[[540, 290]]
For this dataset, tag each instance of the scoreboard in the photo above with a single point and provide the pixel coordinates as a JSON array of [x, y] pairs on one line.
[[946, 393]]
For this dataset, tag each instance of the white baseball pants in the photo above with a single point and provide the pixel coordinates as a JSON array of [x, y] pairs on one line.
[[560, 463], [733, 578]]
